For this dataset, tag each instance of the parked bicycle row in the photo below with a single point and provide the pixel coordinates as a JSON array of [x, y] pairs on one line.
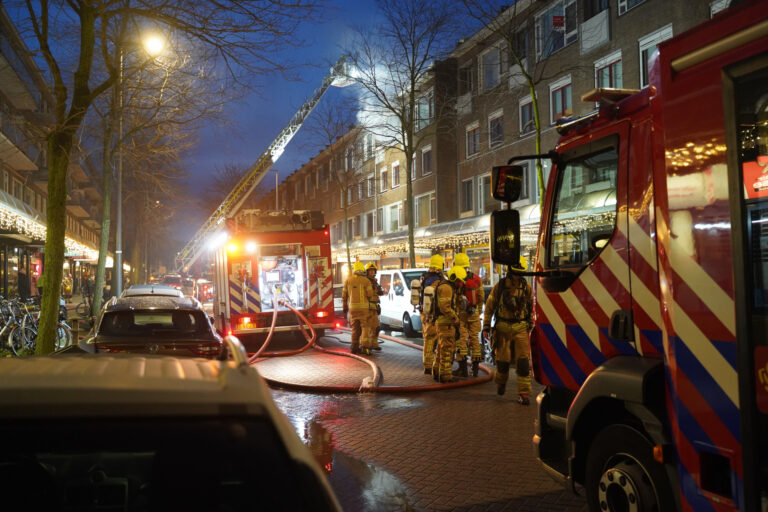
[[19, 326]]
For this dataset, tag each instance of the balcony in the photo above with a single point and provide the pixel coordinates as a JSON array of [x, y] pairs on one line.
[[17, 148], [15, 81], [77, 205], [595, 32]]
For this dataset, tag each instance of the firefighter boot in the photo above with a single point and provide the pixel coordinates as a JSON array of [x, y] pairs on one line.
[[462, 371], [475, 368]]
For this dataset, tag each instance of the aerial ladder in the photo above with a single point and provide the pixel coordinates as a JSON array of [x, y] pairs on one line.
[[196, 246]]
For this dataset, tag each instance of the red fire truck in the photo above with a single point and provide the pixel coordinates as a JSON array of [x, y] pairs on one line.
[[268, 257], [651, 281]]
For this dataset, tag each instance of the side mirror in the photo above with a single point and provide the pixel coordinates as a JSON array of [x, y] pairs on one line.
[[507, 182], [505, 237]]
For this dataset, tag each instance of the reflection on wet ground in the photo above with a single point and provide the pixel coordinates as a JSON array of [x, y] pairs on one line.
[[358, 485]]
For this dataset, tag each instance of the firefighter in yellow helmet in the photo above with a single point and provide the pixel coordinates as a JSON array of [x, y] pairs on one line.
[[370, 337], [511, 303], [356, 296], [447, 293], [427, 306], [469, 320]]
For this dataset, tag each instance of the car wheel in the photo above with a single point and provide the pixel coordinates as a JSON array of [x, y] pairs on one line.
[[621, 473], [408, 327]]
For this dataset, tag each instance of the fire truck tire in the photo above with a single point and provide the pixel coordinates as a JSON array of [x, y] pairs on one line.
[[408, 329], [621, 473]]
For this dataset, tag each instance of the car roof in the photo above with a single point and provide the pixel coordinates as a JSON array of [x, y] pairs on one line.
[[151, 289], [153, 302]]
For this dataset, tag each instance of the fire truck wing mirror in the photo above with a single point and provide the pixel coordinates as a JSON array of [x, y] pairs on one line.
[[506, 182], [505, 237]]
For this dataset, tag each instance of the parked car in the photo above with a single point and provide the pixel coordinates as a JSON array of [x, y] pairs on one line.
[[396, 308], [141, 290], [138, 433], [159, 324]]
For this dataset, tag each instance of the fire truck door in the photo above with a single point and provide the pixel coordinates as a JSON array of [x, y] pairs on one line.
[[585, 236]]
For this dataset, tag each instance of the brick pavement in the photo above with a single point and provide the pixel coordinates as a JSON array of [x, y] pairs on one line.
[[460, 449]]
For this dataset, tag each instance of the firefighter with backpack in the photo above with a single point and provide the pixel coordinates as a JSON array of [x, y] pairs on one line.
[[427, 306], [357, 296], [447, 293], [370, 337], [469, 320], [511, 303]]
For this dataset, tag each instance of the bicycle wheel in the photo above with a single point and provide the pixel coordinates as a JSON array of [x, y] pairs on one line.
[[22, 339], [82, 309], [63, 336]]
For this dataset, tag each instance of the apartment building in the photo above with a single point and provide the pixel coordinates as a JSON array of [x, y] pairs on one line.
[[480, 112], [25, 101]]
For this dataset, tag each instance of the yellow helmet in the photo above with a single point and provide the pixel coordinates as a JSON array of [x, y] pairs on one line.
[[523, 265], [371, 265], [457, 272], [436, 261], [358, 267], [461, 260]]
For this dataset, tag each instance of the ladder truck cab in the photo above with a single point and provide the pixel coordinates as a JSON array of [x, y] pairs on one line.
[[650, 334], [271, 257]]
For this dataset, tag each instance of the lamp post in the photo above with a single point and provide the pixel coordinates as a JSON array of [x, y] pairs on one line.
[[153, 44]]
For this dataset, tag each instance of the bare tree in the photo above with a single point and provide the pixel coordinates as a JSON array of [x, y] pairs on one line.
[[393, 62], [224, 179], [72, 36]]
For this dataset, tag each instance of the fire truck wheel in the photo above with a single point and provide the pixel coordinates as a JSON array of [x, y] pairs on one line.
[[622, 476], [408, 327]]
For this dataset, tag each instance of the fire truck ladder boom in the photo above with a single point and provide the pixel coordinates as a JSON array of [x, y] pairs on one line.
[[195, 247]]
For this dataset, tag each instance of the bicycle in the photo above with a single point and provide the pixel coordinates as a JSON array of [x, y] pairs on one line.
[[83, 309], [24, 336]]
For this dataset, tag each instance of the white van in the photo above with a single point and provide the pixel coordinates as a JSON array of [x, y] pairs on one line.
[[396, 308]]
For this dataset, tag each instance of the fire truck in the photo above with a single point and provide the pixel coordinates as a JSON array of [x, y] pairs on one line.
[[272, 257], [651, 281]]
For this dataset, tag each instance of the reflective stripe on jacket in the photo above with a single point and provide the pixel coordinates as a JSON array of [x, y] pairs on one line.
[[358, 292]]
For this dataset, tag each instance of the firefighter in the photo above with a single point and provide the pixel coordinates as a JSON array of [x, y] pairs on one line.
[[447, 293], [469, 320], [511, 303], [428, 329], [356, 297], [370, 337]]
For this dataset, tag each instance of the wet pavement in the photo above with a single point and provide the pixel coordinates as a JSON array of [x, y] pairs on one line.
[[455, 449]]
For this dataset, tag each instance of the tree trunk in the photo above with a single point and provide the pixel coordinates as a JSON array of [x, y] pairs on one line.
[[537, 124], [59, 146], [106, 218], [409, 209], [346, 231]]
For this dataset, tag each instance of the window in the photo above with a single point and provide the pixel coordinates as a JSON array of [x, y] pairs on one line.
[[308, 186], [584, 215], [527, 124], [473, 139], [384, 179], [625, 5], [647, 45], [425, 110], [487, 202], [350, 228], [521, 44], [718, 5], [358, 225], [5, 181], [560, 99], [361, 190], [496, 128], [402, 216], [350, 160], [466, 81], [493, 64], [608, 71], [369, 227], [426, 161], [526, 179], [395, 174], [298, 189], [424, 210], [18, 190], [556, 28], [393, 218], [594, 7], [380, 219], [466, 195], [371, 185]]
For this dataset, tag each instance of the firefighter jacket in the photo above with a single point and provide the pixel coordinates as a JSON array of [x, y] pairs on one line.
[[357, 293], [473, 291], [377, 289], [511, 300], [447, 304]]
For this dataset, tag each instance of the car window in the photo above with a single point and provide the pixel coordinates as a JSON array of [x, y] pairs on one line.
[[152, 464], [172, 280], [153, 323], [411, 275], [385, 281], [397, 284]]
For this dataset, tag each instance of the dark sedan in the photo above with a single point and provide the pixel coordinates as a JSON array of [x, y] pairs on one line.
[[154, 325]]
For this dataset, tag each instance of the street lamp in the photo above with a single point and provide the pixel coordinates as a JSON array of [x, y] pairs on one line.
[[153, 44]]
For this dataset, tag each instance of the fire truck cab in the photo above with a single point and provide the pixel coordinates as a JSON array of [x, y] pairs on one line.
[[651, 281], [272, 258]]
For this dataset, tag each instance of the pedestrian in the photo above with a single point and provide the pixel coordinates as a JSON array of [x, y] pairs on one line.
[[356, 297], [511, 304], [447, 293], [429, 280], [370, 337], [469, 320], [24, 284]]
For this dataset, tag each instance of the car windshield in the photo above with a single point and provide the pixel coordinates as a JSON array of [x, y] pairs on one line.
[[172, 280], [165, 323], [411, 275], [190, 463]]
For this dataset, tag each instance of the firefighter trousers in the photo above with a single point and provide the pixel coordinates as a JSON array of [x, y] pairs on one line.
[[446, 346], [429, 332], [356, 321], [369, 338], [469, 336], [511, 344]]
